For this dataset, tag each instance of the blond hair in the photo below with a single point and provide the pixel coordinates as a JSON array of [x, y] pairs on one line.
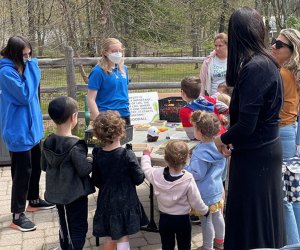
[[293, 64], [176, 154], [223, 98], [104, 62], [108, 126], [207, 123], [223, 37]]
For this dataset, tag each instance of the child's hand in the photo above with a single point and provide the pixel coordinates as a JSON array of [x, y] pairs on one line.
[[148, 150]]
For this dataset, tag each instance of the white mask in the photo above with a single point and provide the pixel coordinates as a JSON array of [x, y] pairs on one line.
[[26, 59], [115, 57]]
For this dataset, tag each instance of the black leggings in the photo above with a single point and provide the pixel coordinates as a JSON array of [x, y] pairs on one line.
[[171, 226], [25, 174]]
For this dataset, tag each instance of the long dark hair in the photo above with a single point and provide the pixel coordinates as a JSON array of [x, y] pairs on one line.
[[14, 50], [246, 34]]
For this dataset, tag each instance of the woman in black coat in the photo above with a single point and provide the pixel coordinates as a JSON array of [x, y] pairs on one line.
[[254, 211]]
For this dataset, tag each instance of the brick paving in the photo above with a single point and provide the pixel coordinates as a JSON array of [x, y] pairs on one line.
[[45, 237]]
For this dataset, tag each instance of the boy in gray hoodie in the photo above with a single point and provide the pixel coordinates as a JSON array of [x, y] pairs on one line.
[[64, 158]]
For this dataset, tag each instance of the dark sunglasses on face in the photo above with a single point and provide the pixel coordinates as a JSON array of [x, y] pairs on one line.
[[280, 44]]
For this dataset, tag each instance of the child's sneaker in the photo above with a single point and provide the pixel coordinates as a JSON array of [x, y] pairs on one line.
[[41, 205], [218, 245], [23, 224]]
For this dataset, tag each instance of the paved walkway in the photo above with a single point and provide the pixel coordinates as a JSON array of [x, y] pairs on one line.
[[46, 235]]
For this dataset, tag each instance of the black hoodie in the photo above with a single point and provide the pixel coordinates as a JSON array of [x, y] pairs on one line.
[[67, 169]]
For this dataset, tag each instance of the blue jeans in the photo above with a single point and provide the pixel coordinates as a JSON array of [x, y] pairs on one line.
[[292, 216], [288, 140], [291, 210]]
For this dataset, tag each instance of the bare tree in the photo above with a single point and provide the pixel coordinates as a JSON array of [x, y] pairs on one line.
[[31, 23], [11, 12], [222, 16]]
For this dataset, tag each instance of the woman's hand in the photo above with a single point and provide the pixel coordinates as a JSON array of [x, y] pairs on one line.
[[223, 149], [226, 151]]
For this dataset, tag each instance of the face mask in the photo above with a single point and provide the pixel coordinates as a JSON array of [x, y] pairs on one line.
[[26, 59], [115, 57]]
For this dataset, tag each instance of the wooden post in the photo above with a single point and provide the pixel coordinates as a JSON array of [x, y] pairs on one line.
[[70, 72]]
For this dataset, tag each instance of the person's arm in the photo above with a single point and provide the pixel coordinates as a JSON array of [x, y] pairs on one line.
[[147, 167], [203, 76], [197, 167], [204, 72], [195, 199], [79, 158], [96, 171], [91, 98], [23, 89], [185, 116], [136, 173], [253, 84], [94, 86]]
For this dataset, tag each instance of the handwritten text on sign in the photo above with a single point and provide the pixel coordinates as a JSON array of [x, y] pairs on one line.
[[143, 107]]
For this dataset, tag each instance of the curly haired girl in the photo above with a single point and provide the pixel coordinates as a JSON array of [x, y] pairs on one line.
[[116, 172]]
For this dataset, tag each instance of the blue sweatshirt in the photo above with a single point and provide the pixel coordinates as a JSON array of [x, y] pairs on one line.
[[21, 120], [207, 166]]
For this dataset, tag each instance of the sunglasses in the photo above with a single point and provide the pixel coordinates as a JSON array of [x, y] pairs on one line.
[[280, 44]]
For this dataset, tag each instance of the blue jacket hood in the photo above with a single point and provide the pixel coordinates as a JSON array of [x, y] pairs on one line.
[[201, 104], [7, 62], [207, 166]]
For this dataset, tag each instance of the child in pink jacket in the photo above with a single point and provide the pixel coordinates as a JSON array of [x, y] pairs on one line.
[[176, 193]]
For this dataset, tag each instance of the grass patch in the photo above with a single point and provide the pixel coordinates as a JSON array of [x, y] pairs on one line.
[[56, 77], [142, 73]]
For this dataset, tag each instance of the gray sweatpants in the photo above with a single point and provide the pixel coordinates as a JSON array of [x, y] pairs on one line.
[[213, 227]]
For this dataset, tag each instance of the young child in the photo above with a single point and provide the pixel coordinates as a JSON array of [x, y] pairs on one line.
[[176, 193], [190, 90], [116, 172], [224, 89], [207, 166], [64, 158]]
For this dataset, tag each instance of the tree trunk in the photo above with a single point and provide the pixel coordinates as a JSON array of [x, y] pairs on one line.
[[90, 40], [12, 19], [31, 24], [71, 34], [102, 21], [265, 4], [194, 29], [222, 17]]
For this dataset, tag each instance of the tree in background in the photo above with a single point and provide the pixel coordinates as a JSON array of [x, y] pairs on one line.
[[144, 26]]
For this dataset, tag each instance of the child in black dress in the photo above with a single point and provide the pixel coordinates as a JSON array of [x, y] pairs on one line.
[[116, 172]]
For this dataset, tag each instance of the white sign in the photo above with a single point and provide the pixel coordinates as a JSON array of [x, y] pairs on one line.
[[143, 107]]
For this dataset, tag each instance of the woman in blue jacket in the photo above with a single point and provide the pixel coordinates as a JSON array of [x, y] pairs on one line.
[[21, 125]]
